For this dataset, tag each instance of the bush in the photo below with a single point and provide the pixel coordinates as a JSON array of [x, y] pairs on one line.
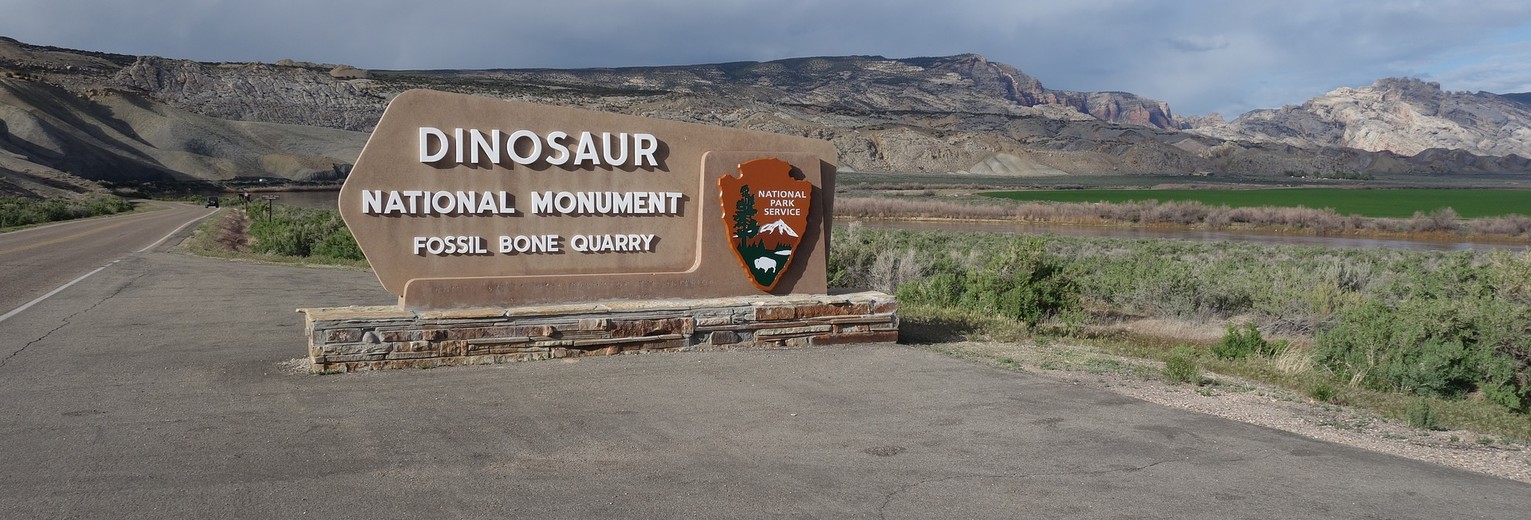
[[17, 211], [1180, 366], [1420, 416], [1242, 342], [1024, 283], [1323, 392], [300, 232], [1441, 324], [1431, 347]]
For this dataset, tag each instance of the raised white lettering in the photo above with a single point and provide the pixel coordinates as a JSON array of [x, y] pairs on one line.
[[426, 156], [395, 205], [606, 147], [531, 154], [530, 244], [453, 245], [415, 202], [607, 202], [555, 142], [457, 150], [586, 151], [490, 146], [526, 147], [614, 243], [372, 201], [645, 145]]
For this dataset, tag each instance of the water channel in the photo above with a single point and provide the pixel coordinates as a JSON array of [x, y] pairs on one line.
[[326, 199]]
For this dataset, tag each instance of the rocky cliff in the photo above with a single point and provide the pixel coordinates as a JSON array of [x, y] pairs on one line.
[[253, 92], [1403, 116], [855, 85]]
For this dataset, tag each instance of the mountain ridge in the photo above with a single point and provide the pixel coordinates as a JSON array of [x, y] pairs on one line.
[[959, 114], [1406, 116]]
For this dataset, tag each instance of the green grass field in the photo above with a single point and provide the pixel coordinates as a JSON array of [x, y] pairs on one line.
[[1469, 203]]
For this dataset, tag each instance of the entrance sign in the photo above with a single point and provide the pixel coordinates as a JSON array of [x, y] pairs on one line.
[[460, 201]]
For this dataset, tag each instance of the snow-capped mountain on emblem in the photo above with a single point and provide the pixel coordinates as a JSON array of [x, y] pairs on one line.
[[764, 190], [780, 226]]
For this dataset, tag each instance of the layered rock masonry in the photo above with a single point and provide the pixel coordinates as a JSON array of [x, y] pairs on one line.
[[346, 339]]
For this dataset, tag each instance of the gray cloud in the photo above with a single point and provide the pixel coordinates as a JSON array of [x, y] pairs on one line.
[[1200, 55], [1197, 43]]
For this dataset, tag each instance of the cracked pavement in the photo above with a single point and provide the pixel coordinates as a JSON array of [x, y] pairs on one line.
[[65, 322], [155, 389]]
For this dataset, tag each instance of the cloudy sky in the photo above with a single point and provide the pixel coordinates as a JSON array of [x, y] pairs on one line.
[[1228, 56]]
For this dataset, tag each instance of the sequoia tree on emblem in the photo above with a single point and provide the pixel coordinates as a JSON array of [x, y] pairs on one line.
[[765, 213]]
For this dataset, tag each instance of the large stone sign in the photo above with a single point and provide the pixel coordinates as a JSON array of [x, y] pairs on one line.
[[461, 201], [516, 232]]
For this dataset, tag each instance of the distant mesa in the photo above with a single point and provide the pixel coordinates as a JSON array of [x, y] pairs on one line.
[[349, 72]]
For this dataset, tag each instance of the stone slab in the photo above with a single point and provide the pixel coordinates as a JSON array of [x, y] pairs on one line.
[[345, 339]]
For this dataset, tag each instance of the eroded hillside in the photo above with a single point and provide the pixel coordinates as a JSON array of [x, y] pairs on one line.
[[106, 116], [1403, 116]]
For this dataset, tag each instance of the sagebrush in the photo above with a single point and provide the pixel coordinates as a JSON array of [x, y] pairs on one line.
[[302, 232], [18, 211], [1442, 324]]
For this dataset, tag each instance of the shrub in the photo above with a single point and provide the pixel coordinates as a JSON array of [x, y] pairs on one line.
[[1241, 342], [1024, 283], [300, 232], [1431, 347], [1437, 324], [1420, 415], [1181, 367], [17, 211], [1323, 392], [890, 269]]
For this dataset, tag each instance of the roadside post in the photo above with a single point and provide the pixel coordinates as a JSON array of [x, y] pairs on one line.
[[270, 202]]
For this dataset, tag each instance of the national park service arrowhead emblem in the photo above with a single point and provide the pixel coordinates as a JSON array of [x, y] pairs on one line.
[[765, 214]]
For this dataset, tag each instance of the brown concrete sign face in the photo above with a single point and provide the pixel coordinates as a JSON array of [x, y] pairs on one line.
[[462, 201]]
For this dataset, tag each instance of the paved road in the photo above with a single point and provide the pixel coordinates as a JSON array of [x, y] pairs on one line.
[[37, 260], [153, 390]]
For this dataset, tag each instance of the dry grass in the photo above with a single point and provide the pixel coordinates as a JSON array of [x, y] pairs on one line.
[[1203, 333], [892, 270], [1294, 361], [231, 231]]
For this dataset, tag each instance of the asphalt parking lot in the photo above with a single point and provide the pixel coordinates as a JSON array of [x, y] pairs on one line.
[[156, 389]]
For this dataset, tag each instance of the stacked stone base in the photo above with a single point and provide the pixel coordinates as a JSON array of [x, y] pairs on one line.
[[346, 339]]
